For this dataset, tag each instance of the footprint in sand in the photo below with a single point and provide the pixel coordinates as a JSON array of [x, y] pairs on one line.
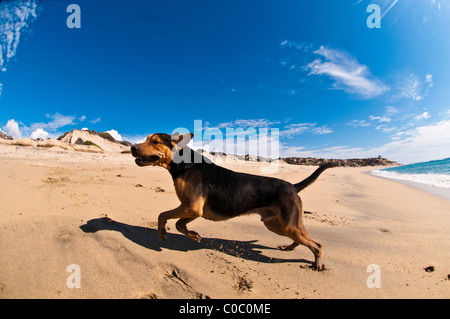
[[148, 295], [56, 181], [176, 276], [65, 236]]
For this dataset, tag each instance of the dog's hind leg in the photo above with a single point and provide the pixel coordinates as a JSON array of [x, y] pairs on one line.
[[300, 236], [290, 217], [273, 224], [288, 247]]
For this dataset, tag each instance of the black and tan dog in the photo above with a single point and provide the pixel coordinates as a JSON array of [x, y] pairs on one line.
[[216, 193]]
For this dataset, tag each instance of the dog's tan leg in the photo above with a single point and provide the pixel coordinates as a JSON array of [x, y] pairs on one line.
[[183, 212], [273, 224], [288, 247], [163, 217], [181, 227], [289, 215], [300, 236]]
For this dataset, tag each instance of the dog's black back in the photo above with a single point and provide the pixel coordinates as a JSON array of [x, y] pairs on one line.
[[228, 193]]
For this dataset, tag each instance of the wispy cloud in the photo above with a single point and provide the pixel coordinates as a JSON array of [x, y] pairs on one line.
[[96, 120], [380, 119], [422, 143], [392, 122], [56, 121], [15, 18], [296, 45], [423, 116], [348, 75], [389, 112], [302, 128], [410, 139], [429, 79], [359, 123], [255, 123], [48, 129], [335, 152], [413, 88], [285, 129], [242, 123]]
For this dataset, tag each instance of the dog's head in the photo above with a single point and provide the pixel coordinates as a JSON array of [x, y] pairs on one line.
[[159, 148]]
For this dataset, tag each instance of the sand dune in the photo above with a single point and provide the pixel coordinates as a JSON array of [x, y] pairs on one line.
[[99, 211]]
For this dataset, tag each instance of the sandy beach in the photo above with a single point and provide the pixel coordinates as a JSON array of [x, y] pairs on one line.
[[99, 211]]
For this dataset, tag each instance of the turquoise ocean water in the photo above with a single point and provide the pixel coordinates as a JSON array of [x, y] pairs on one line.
[[432, 173]]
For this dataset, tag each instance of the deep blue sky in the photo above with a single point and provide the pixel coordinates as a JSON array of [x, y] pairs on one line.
[[312, 69]]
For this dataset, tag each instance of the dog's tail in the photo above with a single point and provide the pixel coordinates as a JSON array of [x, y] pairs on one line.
[[312, 178]]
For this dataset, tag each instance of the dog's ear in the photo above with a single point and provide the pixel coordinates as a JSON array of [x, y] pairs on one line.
[[181, 140]]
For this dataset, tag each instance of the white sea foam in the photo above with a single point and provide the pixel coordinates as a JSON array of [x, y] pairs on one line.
[[438, 180]]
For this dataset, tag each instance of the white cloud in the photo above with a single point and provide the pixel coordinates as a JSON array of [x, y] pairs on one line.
[[413, 88], [391, 110], [359, 123], [96, 120], [136, 138], [39, 133], [12, 129], [423, 116], [386, 129], [386, 118], [336, 152], [15, 17], [347, 73], [322, 130], [115, 134], [57, 121], [240, 142], [40, 129], [302, 128], [288, 130], [82, 118], [380, 119], [254, 123], [296, 45], [240, 123], [423, 143]]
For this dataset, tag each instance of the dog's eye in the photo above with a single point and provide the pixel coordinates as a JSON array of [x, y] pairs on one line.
[[155, 142]]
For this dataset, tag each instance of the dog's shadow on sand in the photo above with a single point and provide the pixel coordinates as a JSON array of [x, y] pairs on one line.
[[148, 238]]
